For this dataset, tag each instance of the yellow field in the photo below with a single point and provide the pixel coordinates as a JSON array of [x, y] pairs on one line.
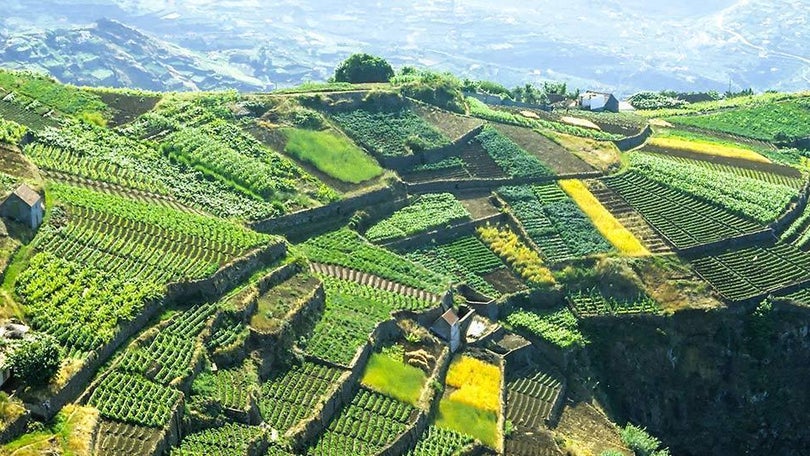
[[611, 229], [524, 260], [699, 147], [478, 383]]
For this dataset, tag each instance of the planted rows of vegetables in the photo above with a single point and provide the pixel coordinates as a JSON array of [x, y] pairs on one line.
[[141, 389], [388, 299], [364, 426], [558, 326], [288, 398], [390, 134], [346, 248], [436, 441], [346, 323], [428, 211], [530, 396], [682, 218], [798, 233], [11, 132], [115, 438], [525, 261], [514, 161], [231, 388], [764, 176], [232, 439], [466, 260], [750, 198], [744, 273], [591, 302], [82, 307]]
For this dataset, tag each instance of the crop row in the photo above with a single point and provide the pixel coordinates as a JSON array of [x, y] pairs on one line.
[[556, 325], [346, 248], [345, 325], [388, 299], [683, 219], [11, 132], [229, 388], [114, 438], [592, 302], [531, 395], [748, 272], [512, 159], [183, 223], [81, 307], [436, 441], [750, 173], [291, 396], [466, 260], [134, 399], [232, 439], [390, 134], [427, 211], [751, 198], [364, 426], [513, 252]]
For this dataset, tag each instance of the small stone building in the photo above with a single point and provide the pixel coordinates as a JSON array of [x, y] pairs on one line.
[[448, 328], [10, 334], [24, 205], [599, 101]]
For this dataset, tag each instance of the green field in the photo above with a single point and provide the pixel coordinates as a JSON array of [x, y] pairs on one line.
[[466, 419], [394, 378], [332, 154], [786, 120]]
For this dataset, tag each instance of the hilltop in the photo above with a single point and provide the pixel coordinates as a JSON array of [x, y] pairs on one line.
[[400, 268]]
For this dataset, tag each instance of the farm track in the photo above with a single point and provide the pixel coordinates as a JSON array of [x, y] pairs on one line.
[[371, 280], [628, 217]]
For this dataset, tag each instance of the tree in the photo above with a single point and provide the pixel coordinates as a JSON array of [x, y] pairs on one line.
[[35, 361], [359, 68]]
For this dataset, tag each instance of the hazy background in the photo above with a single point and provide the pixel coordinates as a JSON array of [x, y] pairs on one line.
[[619, 45]]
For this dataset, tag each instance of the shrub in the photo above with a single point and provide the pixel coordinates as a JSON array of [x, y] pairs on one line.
[[641, 442], [360, 68], [36, 361]]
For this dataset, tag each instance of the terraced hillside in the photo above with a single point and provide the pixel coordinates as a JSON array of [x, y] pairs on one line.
[[481, 281]]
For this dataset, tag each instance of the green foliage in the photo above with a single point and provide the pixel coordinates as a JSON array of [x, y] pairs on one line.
[[294, 394], [556, 325], [428, 211], [481, 110], [133, 399], [361, 68], [332, 154], [390, 133], [346, 248], [468, 420], [782, 121], [592, 302], [466, 260], [752, 198], [510, 157], [81, 307], [364, 426], [11, 132], [436, 441], [35, 361], [654, 100], [232, 439], [641, 442], [228, 388], [394, 378], [439, 89], [46, 90]]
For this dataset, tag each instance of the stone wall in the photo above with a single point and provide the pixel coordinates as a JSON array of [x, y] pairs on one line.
[[443, 234], [16, 428], [337, 212], [490, 183], [631, 142], [405, 162], [743, 240]]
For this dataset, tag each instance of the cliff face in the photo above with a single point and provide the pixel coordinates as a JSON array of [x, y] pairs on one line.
[[713, 382]]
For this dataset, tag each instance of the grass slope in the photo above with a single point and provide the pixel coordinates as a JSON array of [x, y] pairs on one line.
[[394, 378], [332, 154]]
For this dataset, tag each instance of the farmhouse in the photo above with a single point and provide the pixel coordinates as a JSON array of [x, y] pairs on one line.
[[448, 328], [23, 205], [598, 101]]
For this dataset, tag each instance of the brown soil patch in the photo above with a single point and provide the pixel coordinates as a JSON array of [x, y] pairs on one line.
[[478, 206], [587, 431], [12, 162], [504, 281], [125, 107], [537, 443], [452, 125], [602, 155], [274, 305], [549, 152], [673, 284]]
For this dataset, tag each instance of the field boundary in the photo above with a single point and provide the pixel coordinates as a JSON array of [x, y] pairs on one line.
[[491, 183]]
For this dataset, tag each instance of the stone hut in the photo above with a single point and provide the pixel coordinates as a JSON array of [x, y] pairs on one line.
[[24, 205], [448, 328]]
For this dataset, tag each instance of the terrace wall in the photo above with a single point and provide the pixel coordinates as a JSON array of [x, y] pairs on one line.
[[16, 428], [631, 142], [742, 240], [491, 183], [793, 212], [335, 213], [444, 234], [402, 163]]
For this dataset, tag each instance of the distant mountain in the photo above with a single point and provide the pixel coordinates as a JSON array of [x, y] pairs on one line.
[[618, 45], [109, 53]]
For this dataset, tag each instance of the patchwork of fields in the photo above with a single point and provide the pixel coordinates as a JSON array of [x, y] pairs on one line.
[[181, 330]]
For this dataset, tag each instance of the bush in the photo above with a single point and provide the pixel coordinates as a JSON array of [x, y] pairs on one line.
[[360, 68], [36, 361], [641, 442]]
